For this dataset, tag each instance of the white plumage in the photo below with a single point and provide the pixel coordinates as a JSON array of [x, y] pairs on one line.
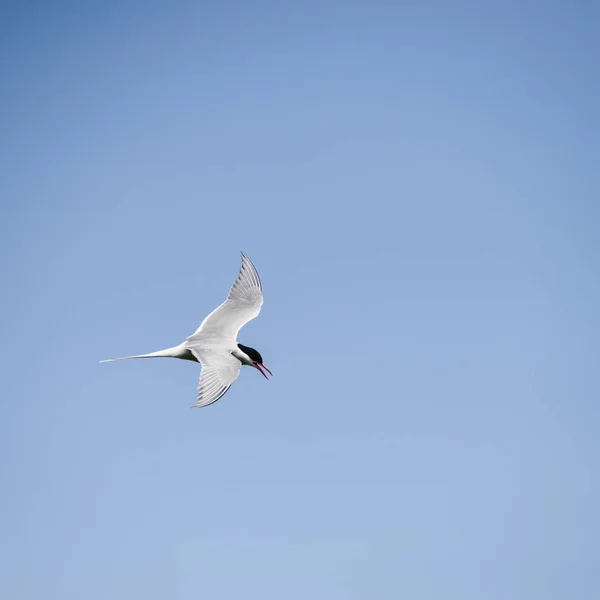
[[243, 304], [214, 344]]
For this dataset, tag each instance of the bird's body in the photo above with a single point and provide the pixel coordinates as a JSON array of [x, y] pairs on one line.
[[214, 344]]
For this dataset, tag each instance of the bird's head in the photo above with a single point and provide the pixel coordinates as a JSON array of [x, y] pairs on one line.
[[256, 359]]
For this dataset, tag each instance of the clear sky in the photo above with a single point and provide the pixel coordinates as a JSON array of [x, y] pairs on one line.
[[417, 184]]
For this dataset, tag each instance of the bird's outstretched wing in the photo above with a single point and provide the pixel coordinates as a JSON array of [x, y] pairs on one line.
[[219, 370], [243, 304]]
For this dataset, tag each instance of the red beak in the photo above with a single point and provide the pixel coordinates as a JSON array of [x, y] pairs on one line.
[[260, 367]]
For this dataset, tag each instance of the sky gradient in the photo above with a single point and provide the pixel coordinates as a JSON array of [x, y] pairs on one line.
[[417, 184]]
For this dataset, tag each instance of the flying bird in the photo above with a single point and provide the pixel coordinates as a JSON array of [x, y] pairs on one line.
[[214, 344]]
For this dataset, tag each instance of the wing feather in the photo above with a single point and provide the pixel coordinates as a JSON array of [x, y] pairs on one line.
[[219, 370], [243, 304]]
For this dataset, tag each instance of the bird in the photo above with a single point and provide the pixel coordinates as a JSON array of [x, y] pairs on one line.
[[214, 344]]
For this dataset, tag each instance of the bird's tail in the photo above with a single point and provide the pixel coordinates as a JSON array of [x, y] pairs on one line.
[[167, 353]]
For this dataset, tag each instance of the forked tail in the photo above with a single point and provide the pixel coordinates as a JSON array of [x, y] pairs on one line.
[[174, 352]]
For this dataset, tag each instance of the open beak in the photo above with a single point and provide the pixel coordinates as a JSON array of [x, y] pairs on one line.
[[260, 367]]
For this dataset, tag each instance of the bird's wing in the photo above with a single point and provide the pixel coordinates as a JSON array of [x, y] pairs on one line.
[[243, 304], [219, 370]]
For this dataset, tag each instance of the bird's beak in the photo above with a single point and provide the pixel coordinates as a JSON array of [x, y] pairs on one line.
[[260, 367]]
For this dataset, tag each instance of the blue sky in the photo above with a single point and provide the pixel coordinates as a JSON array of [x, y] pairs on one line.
[[417, 185]]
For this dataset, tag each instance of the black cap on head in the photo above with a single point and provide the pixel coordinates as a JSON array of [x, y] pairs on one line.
[[252, 353]]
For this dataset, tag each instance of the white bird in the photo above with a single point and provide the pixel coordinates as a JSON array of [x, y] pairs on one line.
[[214, 344]]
